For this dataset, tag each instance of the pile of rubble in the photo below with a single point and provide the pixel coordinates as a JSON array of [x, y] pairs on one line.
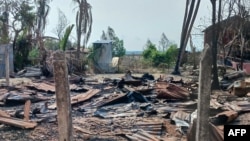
[[130, 107]]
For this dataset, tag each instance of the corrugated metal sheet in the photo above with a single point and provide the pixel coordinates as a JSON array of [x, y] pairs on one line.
[[103, 56], [2, 59]]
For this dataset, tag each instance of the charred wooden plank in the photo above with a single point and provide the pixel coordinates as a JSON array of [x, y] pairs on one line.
[[17, 122]]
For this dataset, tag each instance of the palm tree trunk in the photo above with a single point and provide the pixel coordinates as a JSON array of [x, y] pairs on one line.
[[78, 30]]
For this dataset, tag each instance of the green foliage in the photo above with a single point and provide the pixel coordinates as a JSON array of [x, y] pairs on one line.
[[171, 54], [33, 55], [118, 49], [159, 58], [64, 40], [51, 44], [149, 52], [21, 52]]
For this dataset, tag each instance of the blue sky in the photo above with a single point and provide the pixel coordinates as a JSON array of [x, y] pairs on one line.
[[134, 21]]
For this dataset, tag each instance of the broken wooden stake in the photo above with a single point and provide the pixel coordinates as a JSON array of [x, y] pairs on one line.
[[62, 97], [27, 110], [202, 129]]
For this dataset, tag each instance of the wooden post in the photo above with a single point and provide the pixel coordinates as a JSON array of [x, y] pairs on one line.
[[7, 65], [62, 97], [202, 128], [27, 110]]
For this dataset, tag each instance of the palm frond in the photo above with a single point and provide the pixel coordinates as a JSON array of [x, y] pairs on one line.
[[64, 40]]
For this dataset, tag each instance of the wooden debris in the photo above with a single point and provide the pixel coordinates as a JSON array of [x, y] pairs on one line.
[[17, 122], [79, 98], [84, 97], [240, 88], [82, 130]]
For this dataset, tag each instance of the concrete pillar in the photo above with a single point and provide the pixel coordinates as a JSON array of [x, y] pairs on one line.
[[202, 128]]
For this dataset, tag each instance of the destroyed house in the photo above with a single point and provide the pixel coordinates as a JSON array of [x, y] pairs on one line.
[[233, 42]]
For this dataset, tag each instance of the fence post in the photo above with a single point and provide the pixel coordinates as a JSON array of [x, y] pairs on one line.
[[62, 97]]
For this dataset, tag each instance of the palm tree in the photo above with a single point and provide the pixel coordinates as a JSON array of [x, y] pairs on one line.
[[42, 13], [83, 23]]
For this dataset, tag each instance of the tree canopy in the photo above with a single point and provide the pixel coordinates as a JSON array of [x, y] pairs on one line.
[[118, 49]]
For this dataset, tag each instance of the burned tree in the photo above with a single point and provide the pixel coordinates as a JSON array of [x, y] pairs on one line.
[[191, 11]]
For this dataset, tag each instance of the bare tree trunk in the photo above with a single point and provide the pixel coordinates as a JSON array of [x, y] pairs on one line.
[[188, 22], [193, 49], [79, 20], [5, 38], [215, 33], [42, 54], [242, 51]]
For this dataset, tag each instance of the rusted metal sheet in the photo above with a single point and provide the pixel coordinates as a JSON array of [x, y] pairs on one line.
[[170, 91], [144, 136], [80, 97], [110, 99], [224, 117], [46, 87]]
